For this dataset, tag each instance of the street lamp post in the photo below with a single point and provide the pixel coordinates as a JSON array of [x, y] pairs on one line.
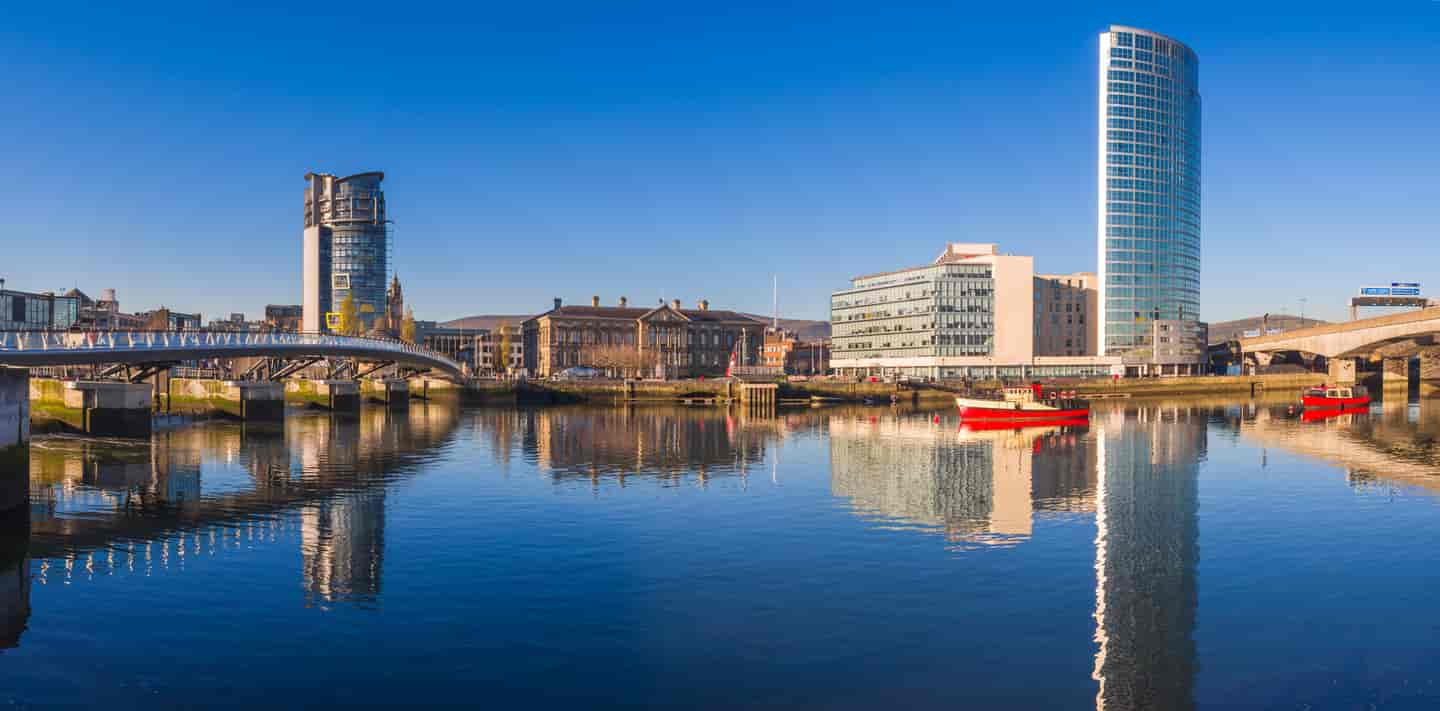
[[1302, 312]]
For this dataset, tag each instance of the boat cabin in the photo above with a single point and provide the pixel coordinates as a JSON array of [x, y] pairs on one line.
[[1019, 394], [1337, 392]]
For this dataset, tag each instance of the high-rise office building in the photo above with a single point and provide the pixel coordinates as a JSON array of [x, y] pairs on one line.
[[347, 248], [1149, 198]]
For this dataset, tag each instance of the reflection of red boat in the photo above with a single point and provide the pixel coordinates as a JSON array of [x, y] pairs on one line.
[[1317, 414], [998, 424], [1030, 404], [1335, 397]]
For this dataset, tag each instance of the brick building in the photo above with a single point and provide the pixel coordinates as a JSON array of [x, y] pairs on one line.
[[660, 341]]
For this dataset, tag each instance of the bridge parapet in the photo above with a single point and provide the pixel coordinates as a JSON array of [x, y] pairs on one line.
[[43, 348]]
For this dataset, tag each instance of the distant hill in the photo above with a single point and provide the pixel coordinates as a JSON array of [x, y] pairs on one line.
[[1232, 330], [807, 330]]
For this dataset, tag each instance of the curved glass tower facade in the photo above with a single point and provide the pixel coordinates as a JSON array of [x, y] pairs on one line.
[[1149, 194], [346, 251]]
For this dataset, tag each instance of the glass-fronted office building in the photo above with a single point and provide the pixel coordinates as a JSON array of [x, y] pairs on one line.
[[24, 311], [1149, 196]]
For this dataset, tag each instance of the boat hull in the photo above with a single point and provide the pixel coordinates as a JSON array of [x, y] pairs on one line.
[[984, 424], [1333, 403], [983, 410]]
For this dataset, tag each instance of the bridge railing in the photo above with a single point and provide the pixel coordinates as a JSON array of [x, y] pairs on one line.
[[39, 342]]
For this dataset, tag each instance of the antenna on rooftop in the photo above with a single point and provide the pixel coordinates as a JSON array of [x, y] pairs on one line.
[[775, 295]]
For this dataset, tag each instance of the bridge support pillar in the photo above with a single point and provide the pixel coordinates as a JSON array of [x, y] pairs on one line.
[[393, 392], [111, 409], [341, 395], [1430, 371], [1395, 378], [14, 439], [258, 401], [1342, 371]]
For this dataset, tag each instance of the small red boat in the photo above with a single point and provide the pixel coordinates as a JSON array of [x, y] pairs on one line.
[[1334, 397], [1025, 404]]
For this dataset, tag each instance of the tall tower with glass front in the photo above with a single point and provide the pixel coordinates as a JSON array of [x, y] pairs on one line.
[[346, 249], [1149, 191]]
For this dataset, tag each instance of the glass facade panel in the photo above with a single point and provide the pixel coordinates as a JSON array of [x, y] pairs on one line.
[[1149, 233]]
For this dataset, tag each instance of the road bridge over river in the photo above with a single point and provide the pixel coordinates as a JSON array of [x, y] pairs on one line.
[[1393, 339]]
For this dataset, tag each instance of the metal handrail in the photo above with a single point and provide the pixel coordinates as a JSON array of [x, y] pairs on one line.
[[30, 342]]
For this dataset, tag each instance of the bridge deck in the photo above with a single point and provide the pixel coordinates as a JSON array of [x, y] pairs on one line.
[[40, 348]]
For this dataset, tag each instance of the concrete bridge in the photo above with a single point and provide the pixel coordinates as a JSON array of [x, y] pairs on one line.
[[1393, 339]]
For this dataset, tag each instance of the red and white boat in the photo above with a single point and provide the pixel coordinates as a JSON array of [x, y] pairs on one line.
[[1334, 397], [1025, 404]]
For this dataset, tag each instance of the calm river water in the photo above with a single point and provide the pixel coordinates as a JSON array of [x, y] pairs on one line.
[[1169, 556]]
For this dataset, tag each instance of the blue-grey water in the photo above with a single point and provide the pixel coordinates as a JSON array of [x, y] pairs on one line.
[[1169, 556]]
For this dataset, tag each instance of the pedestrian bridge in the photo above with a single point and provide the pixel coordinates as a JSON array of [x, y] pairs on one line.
[[1355, 339], [29, 349]]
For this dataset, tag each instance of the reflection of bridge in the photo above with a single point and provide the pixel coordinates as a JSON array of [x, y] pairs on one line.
[[1376, 446], [155, 492], [1395, 339], [32, 349]]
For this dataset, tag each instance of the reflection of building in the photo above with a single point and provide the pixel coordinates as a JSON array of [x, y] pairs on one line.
[[973, 486], [343, 546], [346, 248], [14, 579], [658, 441], [1149, 196], [1146, 553], [662, 339], [968, 314]]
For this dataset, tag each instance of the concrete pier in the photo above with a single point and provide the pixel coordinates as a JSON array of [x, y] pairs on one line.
[[258, 400], [393, 392], [111, 409], [335, 395], [1395, 378], [14, 439], [1430, 371], [762, 395]]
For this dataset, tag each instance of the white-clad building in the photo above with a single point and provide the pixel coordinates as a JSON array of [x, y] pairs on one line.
[[968, 314]]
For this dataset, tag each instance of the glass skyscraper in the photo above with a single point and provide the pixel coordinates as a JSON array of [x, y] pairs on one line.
[[1149, 192]]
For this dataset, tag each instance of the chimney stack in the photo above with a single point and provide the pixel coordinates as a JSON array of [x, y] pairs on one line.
[[595, 301], [675, 304], [557, 303], [623, 302]]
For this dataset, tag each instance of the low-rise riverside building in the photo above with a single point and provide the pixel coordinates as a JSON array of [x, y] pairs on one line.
[[662, 341], [970, 313]]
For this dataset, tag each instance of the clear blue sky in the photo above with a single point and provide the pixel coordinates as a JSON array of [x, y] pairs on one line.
[[690, 150]]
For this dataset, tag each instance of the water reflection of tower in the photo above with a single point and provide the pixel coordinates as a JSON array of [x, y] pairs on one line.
[[1146, 553], [342, 543]]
